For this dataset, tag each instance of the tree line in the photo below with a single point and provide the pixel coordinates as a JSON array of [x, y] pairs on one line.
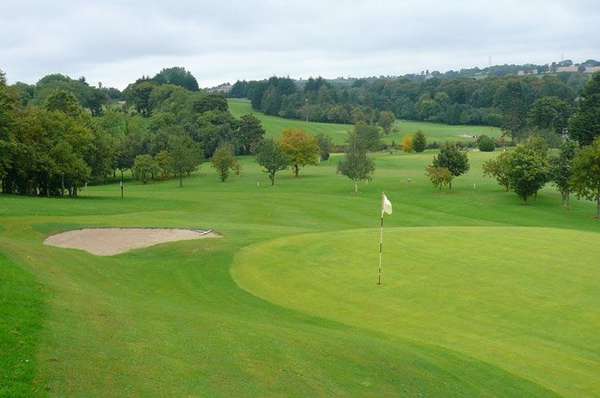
[[60, 134], [505, 101]]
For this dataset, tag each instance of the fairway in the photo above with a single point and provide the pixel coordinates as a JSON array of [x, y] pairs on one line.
[[435, 132], [482, 295]]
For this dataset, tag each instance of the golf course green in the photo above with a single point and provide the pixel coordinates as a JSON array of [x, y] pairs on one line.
[[435, 132], [482, 296]]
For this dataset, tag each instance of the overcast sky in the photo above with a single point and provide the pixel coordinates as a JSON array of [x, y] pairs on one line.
[[115, 42]]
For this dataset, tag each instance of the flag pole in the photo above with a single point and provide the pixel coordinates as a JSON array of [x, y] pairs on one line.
[[381, 241]]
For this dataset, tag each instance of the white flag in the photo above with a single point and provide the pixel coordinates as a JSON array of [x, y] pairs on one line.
[[386, 207]]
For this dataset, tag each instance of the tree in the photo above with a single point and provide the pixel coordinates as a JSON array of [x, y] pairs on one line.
[[528, 171], [49, 152], [8, 107], [5, 158], [498, 168], [165, 163], [452, 158], [440, 176], [139, 95], [386, 121], [586, 174], [368, 136], [561, 170], [584, 126], [249, 134], [419, 142], [512, 98], [325, 146], [145, 168], [270, 156], [210, 102], [177, 76], [550, 113], [301, 148], [187, 155], [356, 165], [63, 101], [486, 144], [223, 161], [407, 144]]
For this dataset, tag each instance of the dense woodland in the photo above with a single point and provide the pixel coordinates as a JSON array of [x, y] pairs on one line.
[[61, 133], [505, 101]]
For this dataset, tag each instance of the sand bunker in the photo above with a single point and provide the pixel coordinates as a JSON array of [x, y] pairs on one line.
[[111, 241]]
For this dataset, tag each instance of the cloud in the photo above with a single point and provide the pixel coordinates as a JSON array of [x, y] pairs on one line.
[[117, 41]]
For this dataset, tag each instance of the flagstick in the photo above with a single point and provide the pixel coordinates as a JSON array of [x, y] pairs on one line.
[[380, 242]]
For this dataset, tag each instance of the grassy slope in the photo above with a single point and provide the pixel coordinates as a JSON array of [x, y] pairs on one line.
[[171, 320], [433, 131]]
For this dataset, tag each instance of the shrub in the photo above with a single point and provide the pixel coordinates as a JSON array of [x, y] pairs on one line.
[[486, 144]]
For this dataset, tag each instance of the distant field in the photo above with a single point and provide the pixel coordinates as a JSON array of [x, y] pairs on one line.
[[275, 125], [433, 131]]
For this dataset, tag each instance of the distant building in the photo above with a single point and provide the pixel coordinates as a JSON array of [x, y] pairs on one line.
[[569, 69], [591, 69], [221, 88], [527, 72]]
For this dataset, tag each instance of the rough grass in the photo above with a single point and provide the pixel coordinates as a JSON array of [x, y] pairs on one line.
[[435, 132], [171, 321]]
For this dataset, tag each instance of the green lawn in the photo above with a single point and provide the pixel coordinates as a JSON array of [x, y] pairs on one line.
[[482, 295], [433, 131]]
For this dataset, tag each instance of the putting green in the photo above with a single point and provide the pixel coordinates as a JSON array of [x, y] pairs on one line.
[[517, 299]]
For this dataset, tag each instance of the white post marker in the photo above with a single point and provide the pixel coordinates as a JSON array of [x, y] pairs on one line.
[[386, 208]]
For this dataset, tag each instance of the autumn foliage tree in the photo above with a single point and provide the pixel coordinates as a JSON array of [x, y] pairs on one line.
[[302, 149], [439, 176], [407, 144]]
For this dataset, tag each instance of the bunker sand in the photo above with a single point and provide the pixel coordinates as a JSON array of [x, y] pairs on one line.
[[112, 241]]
